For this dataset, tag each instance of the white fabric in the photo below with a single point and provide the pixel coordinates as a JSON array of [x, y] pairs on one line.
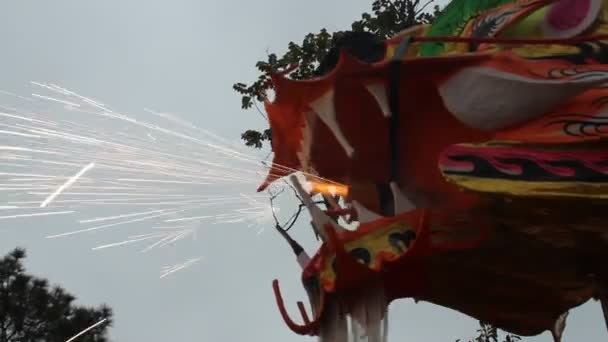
[[595, 9], [324, 107], [303, 259], [559, 327], [488, 99], [368, 319]]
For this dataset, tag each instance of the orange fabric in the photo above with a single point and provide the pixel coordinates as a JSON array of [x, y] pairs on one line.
[[286, 135]]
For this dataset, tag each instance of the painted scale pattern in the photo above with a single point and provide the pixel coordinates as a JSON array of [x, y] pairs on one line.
[[535, 171], [455, 18], [373, 249]]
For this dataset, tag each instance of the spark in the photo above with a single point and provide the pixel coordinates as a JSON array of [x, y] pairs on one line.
[[86, 330], [160, 164], [37, 214], [17, 148], [167, 270], [56, 100], [193, 218], [100, 219], [158, 181], [49, 178], [25, 175], [15, 95], [113, 224], [169, 227], [164, 238], [19, 134], [66, 185], [126, 242], [169, 239], [117, 194]]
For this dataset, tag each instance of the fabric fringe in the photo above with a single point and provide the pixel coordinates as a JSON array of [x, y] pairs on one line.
[[364, 320]]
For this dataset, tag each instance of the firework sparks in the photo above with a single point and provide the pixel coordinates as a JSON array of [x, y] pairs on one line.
[[155, 170], [109, 225], [164, 237], [168, 270], [56, 100], [108, 218], [66, 185], [37, 214], [73, 338], [127, 242]]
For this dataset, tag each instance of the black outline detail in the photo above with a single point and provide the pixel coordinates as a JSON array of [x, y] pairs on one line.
[[406, 238], [576, 124]]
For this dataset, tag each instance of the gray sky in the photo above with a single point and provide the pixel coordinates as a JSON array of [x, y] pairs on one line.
[[182, 56]]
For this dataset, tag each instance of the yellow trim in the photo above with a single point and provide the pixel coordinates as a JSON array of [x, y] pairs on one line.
[[532, 189], [416, 31], [535, 51], [528, 27]]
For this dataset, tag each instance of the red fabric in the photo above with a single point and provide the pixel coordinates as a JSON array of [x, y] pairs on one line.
[[285, 124], [353, 102], [424, 121], [426, 130]]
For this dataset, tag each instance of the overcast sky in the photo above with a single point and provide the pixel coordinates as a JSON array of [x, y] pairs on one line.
[[182, 56]]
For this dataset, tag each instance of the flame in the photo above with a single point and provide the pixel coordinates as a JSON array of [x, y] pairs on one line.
[[329, 188]]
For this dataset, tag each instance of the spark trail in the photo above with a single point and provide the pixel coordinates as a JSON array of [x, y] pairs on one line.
[[168, 270], [73, 338], [66, 185]]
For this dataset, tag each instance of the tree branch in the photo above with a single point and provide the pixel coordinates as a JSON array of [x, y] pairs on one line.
[[293, 189], [255, 104], [271, 199], [424, 6], [401, 16]]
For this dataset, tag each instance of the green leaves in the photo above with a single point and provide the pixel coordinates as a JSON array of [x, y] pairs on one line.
[[391, 17], [255, 138], [31, 310], [489, 333], [386, 19], [307, 55]]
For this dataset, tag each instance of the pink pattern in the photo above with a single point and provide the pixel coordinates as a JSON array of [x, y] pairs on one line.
[[590, 159], [568, 14]]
